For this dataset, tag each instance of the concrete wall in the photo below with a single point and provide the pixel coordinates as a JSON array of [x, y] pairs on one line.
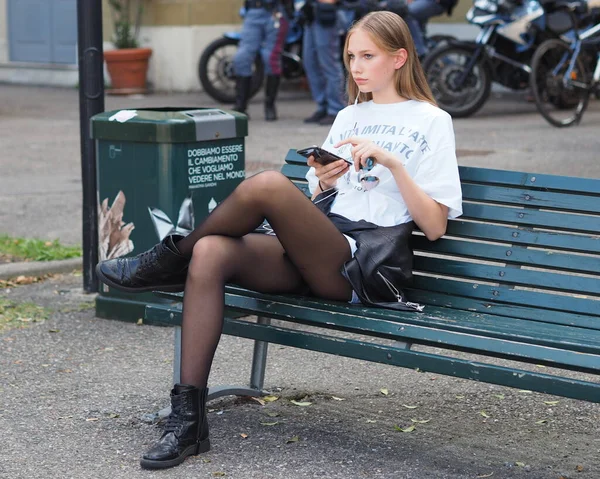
[[178, 31], [161, 13], [175, 54]]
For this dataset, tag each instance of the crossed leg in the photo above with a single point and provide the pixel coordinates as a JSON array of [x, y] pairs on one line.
[[307, 251]]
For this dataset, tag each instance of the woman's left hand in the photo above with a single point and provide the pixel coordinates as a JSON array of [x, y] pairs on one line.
[[363, 148]]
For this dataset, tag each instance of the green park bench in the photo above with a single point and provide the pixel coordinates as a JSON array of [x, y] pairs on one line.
[[517, 277]]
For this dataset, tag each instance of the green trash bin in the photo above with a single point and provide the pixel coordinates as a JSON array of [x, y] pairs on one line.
[[159, 171]]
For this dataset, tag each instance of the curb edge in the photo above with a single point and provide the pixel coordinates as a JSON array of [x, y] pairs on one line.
[[38, 268]]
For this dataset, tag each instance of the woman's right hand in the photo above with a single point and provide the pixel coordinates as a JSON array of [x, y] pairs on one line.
[[328, 174]]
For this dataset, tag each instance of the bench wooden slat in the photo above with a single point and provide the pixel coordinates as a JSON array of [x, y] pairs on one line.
[[294, 158], [562, 309], [530, 198], [502, 234], [516, 311], [510, 254], [421, 361], [302, 187], [531, 217], [567, 184], [295, 172], [510, 276]]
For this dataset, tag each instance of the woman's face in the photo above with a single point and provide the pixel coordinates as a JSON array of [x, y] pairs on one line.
[[371, 67]]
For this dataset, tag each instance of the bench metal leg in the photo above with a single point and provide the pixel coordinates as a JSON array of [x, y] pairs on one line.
[[259, 359], [177, 355]]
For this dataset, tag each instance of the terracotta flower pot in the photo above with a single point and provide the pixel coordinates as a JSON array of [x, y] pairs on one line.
[[128, 68]]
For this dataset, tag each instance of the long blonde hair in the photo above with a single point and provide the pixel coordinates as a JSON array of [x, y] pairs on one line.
[[390, 33]]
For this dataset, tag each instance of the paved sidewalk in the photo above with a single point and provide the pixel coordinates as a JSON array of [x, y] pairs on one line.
[[74, 389]]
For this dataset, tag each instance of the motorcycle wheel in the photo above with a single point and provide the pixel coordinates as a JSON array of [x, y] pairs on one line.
[[434, 41], [443, 67], [215, 70], [559, 105]]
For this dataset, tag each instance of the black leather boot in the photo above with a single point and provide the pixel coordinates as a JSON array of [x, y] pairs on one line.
[[186, 429], [160, 268], [242, 94], [270, 95]]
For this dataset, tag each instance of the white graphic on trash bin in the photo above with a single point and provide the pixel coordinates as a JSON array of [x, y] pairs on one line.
[[113, 232], [212, 204], [163, 225]]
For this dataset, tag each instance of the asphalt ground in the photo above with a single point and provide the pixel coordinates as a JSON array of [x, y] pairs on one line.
[[76, 390]]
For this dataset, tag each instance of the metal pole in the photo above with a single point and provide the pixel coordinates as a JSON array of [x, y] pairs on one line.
[[91, 102], [259, 359]]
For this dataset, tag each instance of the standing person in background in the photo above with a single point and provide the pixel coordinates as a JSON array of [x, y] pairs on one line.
[[264, 29], [419, 12], [322, 61]]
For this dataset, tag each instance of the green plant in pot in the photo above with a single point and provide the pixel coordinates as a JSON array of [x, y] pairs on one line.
[[128, 64]]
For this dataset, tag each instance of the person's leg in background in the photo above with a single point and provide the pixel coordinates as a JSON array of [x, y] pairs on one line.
[[314, 75], [276, 28], [419, 12], [251, 38], [328, 55]]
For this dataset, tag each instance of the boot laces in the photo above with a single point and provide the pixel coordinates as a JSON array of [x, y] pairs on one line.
[[147, 258], [173, 424], [175, 421]]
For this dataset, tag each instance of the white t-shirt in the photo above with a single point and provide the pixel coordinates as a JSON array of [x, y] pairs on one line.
[[418, 133]]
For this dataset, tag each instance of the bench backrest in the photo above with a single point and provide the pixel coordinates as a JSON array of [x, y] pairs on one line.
[[526, 246]]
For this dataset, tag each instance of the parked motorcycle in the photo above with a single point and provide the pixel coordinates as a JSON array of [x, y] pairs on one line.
[[460, 74], [400, 7], [215, 68]]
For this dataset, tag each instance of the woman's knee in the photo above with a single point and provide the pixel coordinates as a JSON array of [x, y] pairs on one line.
[[264, 186], [210, 258]]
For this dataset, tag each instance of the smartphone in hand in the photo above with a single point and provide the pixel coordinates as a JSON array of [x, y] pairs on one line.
[[321, 156]]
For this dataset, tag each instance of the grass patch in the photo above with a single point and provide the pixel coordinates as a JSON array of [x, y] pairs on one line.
[[25, 249], [17, 315]]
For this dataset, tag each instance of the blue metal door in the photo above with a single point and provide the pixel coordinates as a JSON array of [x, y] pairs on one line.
[[42, 31]]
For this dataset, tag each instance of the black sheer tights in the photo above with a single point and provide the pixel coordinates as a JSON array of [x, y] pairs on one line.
[[308, 251]]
